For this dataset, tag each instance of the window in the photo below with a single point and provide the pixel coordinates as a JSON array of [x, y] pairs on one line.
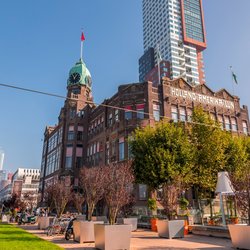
[[116, 115], [68, 162], [189, 114], [182, 114], [79, 135], [227, 123], [142, 192], [174, 113], [220, 120], [70, 135], [234, 124], [110, 119], [140, 111], [121, 149], [128, 112], [245, 127], [78, 162], [72, 113], [212, 116], [71, 132], [113, 148], [156, 112]]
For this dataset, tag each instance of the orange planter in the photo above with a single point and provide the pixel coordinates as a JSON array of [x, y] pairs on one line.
[[211, 222], [153, 224], [234, 220], [185, 227]]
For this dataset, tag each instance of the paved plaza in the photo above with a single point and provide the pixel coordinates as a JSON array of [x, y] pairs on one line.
[[144, 240]]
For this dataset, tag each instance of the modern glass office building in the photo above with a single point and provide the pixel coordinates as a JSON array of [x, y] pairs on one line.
[[175, 28]]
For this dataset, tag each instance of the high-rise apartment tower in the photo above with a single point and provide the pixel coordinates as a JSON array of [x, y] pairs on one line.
[[176, 29], [1, 159]]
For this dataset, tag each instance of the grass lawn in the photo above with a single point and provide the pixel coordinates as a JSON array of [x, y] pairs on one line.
[[12, 237]]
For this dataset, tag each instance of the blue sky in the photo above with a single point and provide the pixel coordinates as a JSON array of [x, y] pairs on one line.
[[40, 42]]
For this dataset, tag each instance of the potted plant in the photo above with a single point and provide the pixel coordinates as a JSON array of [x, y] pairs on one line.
[[232, 211], [127, 215], [162, 154], [92, 181], [170, 228], [152, 207], [117, 192]]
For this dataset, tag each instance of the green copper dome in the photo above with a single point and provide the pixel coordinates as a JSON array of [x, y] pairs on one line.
[[79, 75]]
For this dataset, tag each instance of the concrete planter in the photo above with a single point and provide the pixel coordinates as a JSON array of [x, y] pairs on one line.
[[131, 221], [100, 218], [81, 217], [240, 235], [84, 230], [5, 218], [44, 222], [170, 228], [111, 237]]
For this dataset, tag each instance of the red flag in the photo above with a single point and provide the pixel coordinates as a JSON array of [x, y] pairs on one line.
[[82, 37]]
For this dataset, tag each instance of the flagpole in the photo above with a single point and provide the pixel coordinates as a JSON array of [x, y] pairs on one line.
[[232, 78], [81, 50], [82, 39], [81, 56]]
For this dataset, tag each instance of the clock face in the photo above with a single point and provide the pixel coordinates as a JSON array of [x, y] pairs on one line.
[[74, 78]]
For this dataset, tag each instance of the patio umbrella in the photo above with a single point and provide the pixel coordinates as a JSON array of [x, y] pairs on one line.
[[223, 187]]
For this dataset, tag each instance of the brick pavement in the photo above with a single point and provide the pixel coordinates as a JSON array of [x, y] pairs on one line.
[[144, 240]]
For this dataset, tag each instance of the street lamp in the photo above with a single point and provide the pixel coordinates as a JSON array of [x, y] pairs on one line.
[[223, 187]]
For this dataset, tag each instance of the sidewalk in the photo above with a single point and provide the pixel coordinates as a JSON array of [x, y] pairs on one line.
[[144, 240]]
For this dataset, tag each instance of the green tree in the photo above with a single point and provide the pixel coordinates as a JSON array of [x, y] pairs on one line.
[[209, 144], [162, 155]]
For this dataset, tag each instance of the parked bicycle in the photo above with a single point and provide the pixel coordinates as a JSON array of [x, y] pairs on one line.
[[58, 226]]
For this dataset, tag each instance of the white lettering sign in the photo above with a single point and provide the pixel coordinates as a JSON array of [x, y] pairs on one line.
[[201, 98]]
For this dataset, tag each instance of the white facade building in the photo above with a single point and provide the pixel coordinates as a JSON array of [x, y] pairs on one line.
[[24, 184]]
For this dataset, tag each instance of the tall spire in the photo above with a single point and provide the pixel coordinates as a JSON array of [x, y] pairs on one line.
[[82, 39]]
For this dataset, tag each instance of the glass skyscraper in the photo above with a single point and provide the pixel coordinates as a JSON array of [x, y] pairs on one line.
[[176, 29]]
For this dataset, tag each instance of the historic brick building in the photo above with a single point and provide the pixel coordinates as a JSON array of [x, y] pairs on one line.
[[90, 135]]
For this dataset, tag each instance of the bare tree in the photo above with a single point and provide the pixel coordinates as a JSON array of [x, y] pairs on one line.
[[118, 188], [30, 199], [242, 193], [48, 196], [78, 200], [169, 199], [92, 182], [61, 196]]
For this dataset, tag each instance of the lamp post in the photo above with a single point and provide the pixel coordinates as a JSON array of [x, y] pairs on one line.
[[223, 187]]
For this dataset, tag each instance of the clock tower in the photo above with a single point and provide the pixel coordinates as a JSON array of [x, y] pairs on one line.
[[79, 86]]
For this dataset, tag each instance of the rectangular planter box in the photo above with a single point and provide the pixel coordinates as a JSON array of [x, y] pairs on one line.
[[5, 218], [170, 228], [131, 221], [84, 230], [81, 217], [112, 237], [100, 218], [44, 222], [240, 235]]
